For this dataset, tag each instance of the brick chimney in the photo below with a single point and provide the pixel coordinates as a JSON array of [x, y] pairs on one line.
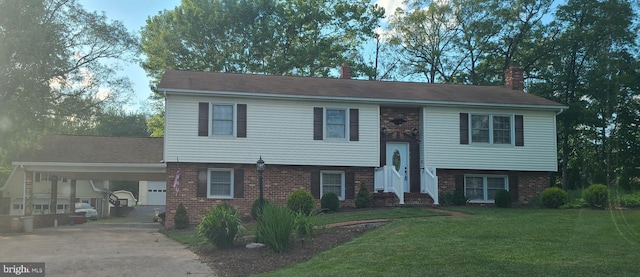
[[514, 78], [345, 73]]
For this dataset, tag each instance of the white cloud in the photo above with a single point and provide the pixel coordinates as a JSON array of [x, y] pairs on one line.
[[390, 7]]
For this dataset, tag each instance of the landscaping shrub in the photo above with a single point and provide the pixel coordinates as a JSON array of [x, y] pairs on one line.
[[275, 227], [255, 208], [458, 197], [330, 202], [629, 200], [303, 224], [597, 195], [553, 197], [363, 199], [221, 226], [181, 219], [301, 200], [503, 199]]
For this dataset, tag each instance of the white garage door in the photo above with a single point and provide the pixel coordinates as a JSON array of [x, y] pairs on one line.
[[156, 193]]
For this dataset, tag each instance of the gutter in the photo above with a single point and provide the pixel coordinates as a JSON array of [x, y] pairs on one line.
[[360, 99]]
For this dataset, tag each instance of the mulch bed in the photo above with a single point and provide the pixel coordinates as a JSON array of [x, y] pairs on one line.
[[240, 261]]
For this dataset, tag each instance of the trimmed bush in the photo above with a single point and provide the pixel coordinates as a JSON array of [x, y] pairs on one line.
[[363, 199], [275, 227], [597, 195], [330, 202], [458, 197], [301, 200], [503, 199], [553, 197], [181, 219], [630, 200], [255, 208], [303, 224], [221, 226]]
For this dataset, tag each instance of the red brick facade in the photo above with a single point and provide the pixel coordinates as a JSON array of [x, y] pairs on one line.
[[528, 184], [279, 182]]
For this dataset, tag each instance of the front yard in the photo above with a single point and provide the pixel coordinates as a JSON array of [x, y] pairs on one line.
[[490, 242]]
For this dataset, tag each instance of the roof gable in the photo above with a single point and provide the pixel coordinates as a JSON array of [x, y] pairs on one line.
[[252, 85]]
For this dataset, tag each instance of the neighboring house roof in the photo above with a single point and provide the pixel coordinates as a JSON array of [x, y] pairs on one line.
[[94, 149], [252, 85]]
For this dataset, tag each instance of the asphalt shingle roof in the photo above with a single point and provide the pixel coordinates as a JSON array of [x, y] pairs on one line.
[[176, 81], [95, 149]]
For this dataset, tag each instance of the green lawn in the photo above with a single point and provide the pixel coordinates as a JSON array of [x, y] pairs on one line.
[[491, 242], [369, 214]]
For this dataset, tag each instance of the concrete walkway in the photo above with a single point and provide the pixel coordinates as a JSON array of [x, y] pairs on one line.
[[104, 249]]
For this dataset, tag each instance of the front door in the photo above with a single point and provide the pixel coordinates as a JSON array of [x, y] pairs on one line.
[[398, 157]]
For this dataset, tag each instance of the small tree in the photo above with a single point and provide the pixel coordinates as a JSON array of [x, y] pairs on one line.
[[181, 218], [363, 199]]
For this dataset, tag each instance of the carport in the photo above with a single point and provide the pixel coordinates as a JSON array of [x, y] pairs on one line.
[[72, 158]]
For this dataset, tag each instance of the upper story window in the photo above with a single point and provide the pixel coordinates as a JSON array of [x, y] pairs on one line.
[[222, 118], [339, 124], [492, 129], [336, 123]]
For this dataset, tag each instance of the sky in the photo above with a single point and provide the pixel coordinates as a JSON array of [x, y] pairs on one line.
[[134, 13]]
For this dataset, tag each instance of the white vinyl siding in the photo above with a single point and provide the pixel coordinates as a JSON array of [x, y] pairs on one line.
[[280, 130], [332, 181], [442, 146]]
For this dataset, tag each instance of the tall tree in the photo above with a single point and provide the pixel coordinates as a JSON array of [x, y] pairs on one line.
[[52, 70], [290, 37]]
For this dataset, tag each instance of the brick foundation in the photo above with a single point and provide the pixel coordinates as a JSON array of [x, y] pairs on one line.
[[279, 182], [529, 183]]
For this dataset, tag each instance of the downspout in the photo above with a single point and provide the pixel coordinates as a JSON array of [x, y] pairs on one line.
[[24, 190], [560, 111]]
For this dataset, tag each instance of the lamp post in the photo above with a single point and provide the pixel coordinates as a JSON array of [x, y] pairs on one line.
[[260, 167]]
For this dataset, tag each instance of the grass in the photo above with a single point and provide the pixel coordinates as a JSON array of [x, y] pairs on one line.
[[187, 236], [369, 214], [492, 242]]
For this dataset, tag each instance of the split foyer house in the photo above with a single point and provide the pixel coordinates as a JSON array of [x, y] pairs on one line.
[[408, 142]]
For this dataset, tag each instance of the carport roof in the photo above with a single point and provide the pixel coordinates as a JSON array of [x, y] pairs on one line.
[[95, 149], [97, 158]]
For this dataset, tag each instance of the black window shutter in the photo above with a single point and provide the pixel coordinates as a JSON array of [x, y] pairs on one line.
[[464, 128], [460, 182], [315, 184], [242, 120], [238, 183], [354, 122], [317, 123], [513, 187], [201, 190], [349, 185], [203, 119], [519, 130]]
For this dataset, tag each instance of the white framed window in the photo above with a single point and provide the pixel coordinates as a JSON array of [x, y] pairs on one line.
[[220, 183], [18, 206], [42, 177], [491, 129], [332, 181], [223, 119], [336, 123], [483, 188]]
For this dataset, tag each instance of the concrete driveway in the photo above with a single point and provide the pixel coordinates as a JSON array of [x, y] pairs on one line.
[[129, 247]]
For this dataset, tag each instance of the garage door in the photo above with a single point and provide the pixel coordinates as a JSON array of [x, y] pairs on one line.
[[156, 193]]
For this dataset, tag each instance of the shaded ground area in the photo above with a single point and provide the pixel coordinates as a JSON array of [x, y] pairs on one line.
[[240, 261], [131, 247]]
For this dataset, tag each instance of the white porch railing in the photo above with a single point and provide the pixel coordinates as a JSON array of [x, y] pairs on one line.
[[429, 183], [389, 180]]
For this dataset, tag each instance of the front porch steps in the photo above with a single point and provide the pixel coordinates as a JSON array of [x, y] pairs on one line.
[[413, 199]]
